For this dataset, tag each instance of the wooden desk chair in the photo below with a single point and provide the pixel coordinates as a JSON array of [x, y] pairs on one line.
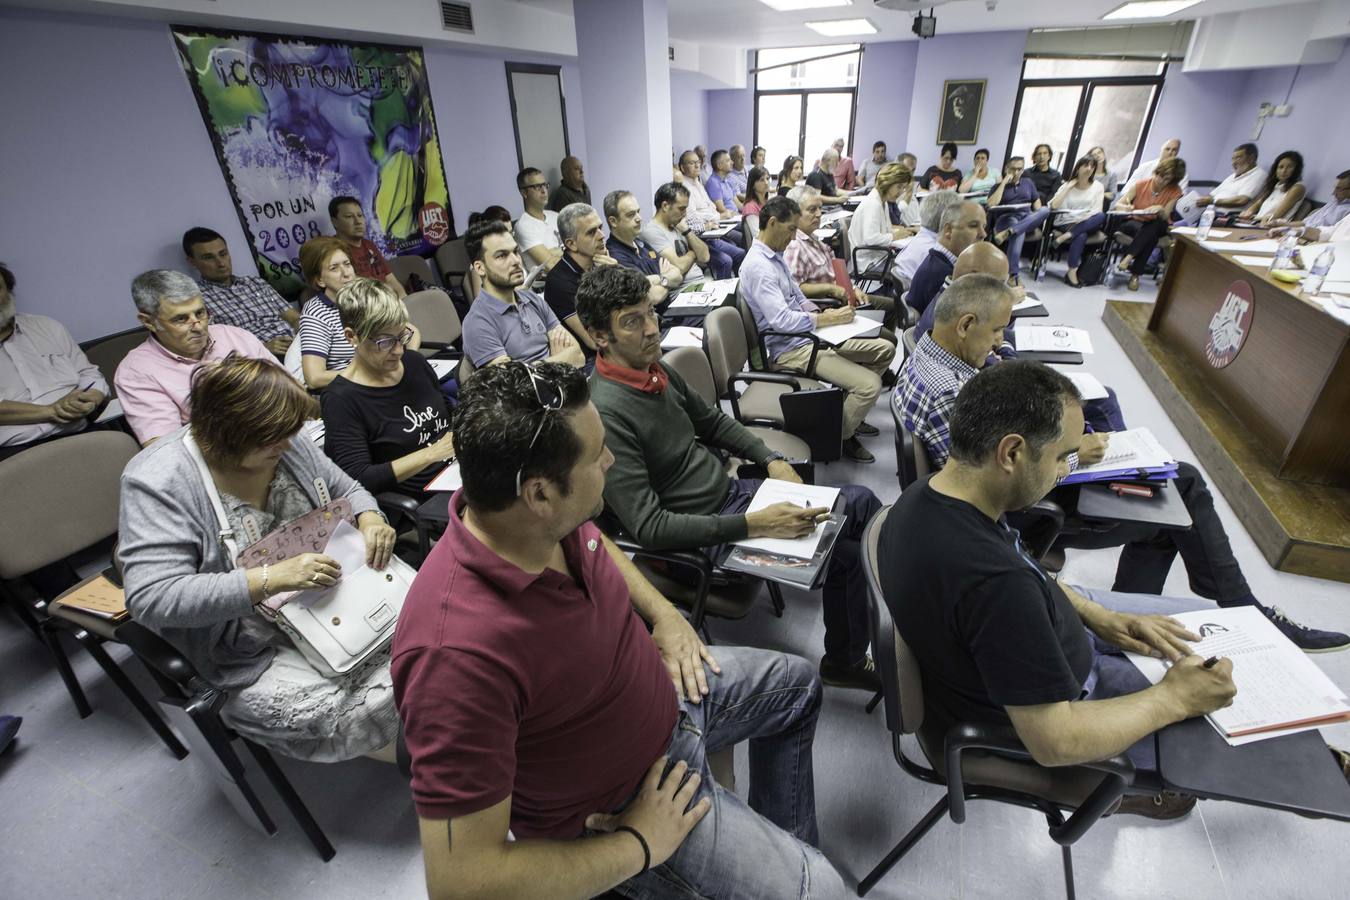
[[974, 761]]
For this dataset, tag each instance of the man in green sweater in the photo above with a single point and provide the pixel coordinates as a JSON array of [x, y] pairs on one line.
[[669, 491]]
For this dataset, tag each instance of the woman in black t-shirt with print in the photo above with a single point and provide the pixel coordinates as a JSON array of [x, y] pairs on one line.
[[386, 422], [945, 175]]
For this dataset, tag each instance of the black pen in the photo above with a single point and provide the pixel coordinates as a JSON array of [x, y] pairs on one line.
[[1209, 663]]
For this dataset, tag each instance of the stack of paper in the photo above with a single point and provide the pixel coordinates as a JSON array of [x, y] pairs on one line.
[[1088, 385], [682, 336], [1129, 454], [1054, 338], [837, 334], [1279, 690], [772, 491], [443, 367], [1028, 303], [447, 480], [99, 597]]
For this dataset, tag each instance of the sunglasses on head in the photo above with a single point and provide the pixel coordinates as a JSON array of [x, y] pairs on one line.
[[550, 398]]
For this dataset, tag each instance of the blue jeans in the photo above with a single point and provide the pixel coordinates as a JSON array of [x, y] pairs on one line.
[[1018, 224], [724, 257], [1081, 232], [1104, 414], [763, 848], [1113, 675]]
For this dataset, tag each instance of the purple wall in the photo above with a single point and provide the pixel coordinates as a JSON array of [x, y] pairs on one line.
[[1319, 126], [689, 114], [731, 117], [1197, 107], [883, 98], [130, 157], [995, 56]]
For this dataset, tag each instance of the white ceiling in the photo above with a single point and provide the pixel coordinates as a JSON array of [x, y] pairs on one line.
[[749, 23]]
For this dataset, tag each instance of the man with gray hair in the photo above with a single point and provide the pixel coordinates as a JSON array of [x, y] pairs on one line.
[[822, 179], [573, 187], [930, 220], [583, 247], [738, 174], [154, 380], [959, 227]]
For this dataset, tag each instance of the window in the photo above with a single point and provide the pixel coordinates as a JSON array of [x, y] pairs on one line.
[[805, 98], [1077, 104]]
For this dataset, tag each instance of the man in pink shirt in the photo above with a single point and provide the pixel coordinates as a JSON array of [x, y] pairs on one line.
[[154, 380]]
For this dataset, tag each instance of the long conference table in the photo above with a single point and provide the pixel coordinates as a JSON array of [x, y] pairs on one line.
[[1257, 379]]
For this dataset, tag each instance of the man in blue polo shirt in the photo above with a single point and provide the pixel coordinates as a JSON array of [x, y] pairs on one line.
[[506, 323], [1014, 225], [631, 251]]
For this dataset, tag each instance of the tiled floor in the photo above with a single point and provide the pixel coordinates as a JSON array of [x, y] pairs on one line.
[[99, 809]]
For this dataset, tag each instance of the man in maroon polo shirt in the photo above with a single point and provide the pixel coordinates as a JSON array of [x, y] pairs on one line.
[[534, 699]]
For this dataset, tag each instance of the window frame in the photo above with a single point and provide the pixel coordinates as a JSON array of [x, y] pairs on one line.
[[802, 93]]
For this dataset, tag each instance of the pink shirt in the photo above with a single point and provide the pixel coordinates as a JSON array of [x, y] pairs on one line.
[[153, 384]]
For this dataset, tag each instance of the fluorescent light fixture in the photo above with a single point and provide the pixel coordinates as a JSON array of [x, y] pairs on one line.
[[1149, 9], [791, 5], [842, 27]]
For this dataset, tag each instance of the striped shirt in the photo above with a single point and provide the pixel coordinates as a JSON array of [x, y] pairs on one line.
[[247, 302], [321, 333]]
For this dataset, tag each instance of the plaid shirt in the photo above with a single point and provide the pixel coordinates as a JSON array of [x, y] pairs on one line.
[[809, 260], [248, 303], [927, 391]]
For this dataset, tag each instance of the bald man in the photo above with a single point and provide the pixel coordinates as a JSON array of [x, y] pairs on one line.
[[573, 187], [987, 259]]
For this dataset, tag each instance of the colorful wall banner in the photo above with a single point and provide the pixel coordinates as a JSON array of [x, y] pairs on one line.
[[298, 121]]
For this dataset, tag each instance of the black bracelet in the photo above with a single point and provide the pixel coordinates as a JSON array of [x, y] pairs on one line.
[[646, 851]]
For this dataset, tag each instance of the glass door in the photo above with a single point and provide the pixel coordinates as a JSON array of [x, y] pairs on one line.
[[1046, 116], [828, 118], [1115, 119]]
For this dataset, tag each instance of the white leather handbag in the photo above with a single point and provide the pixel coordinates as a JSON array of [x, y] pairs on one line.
[[337, 628]]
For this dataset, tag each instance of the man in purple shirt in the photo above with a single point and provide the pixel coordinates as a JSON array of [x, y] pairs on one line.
[[779, 305], [154, 380]]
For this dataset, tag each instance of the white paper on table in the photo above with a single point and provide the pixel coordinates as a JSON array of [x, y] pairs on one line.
[[1088, 384], [1133, 448], [823, 234], [722, 286], [443, 367], [1033, 337], [1278, 687], [682, 336], [347, 546], [1267, 245], [1214, 233], [111, 411], [448, 479], [774, 490], [696, 298], [837, 334], [1028, 303], [1244, 260], [1336, 306], [1187, 207]]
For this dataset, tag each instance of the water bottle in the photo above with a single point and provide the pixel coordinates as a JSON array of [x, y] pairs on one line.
[[1206, 223], [1318, 274], [1284, 256]]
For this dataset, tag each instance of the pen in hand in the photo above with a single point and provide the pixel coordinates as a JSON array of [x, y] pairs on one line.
[[1211, 662]]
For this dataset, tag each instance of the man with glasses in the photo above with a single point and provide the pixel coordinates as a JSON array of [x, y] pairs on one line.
[[537, 227], [702, 214], [533, 668], [505, 322], [154, 380]]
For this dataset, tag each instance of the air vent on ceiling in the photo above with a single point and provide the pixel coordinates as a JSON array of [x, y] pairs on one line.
[[456, 16], [670, 53]]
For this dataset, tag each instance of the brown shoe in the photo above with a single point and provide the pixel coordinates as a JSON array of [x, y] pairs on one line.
[[1133, 283], [1167, 805]]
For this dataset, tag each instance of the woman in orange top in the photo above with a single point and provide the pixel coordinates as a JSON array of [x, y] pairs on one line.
[[1152, 200]]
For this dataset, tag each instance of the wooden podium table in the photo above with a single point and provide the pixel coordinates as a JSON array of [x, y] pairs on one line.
[[1258, 380]]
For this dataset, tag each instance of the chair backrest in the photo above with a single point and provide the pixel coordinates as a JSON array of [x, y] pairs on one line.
[[434, 314], [724, 339], [466, 368], [911, 457], [404, 267], [452, 258], [292, 361], [753, 339], [909, 340], [108, 352], [901, 681], [692, 365], [60, 497]]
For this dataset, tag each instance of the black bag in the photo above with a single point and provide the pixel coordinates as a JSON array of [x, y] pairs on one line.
[[1092, 269]]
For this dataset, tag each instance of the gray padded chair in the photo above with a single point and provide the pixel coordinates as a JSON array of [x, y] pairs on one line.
[[62, 497], [909, 340], [404, 267], [452, 258], [108, 352], [975, 761], [434, 314]]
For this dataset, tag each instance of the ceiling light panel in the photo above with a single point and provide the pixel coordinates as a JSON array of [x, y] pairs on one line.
[[842, 27]]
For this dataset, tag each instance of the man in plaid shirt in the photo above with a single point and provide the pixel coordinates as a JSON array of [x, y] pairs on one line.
[[246, 302]]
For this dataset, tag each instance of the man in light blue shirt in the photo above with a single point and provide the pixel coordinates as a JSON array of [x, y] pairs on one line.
[[779, 305], [1330, 214], [721, 187]]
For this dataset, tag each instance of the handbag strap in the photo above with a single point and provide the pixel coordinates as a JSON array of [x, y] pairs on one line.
[[226, 535]]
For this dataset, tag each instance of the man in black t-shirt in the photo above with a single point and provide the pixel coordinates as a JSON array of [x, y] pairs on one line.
[[999, 640]]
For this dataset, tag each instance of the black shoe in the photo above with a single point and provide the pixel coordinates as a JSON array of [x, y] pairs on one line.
[[889, 378], [859, 676], [9, 727], [1309, 640], [867, 430], [855, 451], [1167, 805]]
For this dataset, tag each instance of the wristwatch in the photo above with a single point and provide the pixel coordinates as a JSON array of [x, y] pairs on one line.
[[664, 283], [773, 456]]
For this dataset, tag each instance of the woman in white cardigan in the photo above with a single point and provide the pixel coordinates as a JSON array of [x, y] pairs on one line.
[[871, 225]]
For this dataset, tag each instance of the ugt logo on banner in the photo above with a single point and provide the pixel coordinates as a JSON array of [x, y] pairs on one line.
[[1230, 325]]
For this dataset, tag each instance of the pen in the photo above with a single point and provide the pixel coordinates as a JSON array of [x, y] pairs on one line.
[[1209, 663]]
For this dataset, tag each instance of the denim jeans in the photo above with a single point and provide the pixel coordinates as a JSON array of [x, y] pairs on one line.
[[724, 257], [1104, 414], [1018, 224], [1081, 232], [844, 592], [763, 848], [1113, 675]]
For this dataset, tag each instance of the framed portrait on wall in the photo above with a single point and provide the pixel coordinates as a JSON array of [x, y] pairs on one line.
[[962, 103]]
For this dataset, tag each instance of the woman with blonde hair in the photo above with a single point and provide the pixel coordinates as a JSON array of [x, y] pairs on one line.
[[386, 421], [871, 224], [182, 581]]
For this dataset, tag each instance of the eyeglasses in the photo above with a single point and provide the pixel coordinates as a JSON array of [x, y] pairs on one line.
[[542, 184], [550, 398], [385, 344]]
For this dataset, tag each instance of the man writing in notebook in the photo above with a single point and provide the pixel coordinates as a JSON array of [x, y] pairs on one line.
[[535, 699], [998, 639], [669, 491]]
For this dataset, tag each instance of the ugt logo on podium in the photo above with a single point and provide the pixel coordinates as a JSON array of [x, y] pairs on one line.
[[1230, 325]]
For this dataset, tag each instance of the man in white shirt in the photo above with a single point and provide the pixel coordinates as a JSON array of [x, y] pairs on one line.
[[930, 218], [868, 173], [1170, 148], [1330, 214], [1240, 188], [738, 174], [670, 235], [537, 227], [724, 256]]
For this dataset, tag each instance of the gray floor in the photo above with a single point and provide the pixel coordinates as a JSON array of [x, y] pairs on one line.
[[98, 808]]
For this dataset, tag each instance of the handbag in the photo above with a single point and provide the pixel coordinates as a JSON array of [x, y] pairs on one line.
[[337, 628], [1092, 268]]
